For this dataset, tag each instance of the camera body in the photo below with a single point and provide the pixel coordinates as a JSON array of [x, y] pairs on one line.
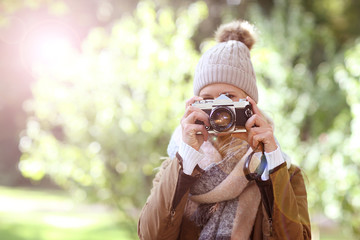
[[225, 116]]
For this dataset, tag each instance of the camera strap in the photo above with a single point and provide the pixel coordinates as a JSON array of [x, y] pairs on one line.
[[260, 169]]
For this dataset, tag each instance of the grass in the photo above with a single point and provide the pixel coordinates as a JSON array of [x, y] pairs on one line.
[[27, 214]]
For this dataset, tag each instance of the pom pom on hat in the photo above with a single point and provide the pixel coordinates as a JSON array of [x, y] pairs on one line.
[[229, 60], [241, 31]]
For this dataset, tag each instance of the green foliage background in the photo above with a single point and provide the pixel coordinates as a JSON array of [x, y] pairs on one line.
[[100, 120]]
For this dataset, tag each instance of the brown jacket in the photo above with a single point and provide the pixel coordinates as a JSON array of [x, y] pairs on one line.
[[283, 213]]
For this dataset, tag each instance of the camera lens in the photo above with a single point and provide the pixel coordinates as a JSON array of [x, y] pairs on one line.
[[222, 119]]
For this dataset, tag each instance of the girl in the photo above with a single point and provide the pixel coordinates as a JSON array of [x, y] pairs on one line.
[[201, 191]]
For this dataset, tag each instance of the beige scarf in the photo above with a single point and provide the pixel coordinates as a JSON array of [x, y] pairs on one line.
[[224, 202]]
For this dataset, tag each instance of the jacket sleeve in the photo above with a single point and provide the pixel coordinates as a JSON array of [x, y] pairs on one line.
[[162, 214], [285, 200]]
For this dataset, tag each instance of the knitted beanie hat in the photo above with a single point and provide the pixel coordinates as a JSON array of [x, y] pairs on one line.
[[229, 60]]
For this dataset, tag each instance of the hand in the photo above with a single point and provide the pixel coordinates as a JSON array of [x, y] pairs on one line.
[[190, 128], [258, 130]]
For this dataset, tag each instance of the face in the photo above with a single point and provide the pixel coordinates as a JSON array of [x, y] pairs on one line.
[[213, 91]]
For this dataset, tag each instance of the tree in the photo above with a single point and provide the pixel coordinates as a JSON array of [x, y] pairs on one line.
[[311, 83], [100, 119]]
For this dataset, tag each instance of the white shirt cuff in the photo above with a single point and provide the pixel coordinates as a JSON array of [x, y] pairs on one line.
[[274, 159], [190, 157]]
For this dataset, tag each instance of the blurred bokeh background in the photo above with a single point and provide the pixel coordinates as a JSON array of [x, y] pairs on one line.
[[91, 90]]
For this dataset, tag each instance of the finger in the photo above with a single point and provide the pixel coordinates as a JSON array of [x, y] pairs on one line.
[[255, 121], [197, 114], [250, 135], [192, 100], [256, 140], [203, 132], [254, 106], [192, 131], [250, 123], [190, 109], [267, 138], [254, 136], [260, 130], [193, 113]]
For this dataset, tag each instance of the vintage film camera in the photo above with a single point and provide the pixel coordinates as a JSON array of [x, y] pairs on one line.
[[225, 116]]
